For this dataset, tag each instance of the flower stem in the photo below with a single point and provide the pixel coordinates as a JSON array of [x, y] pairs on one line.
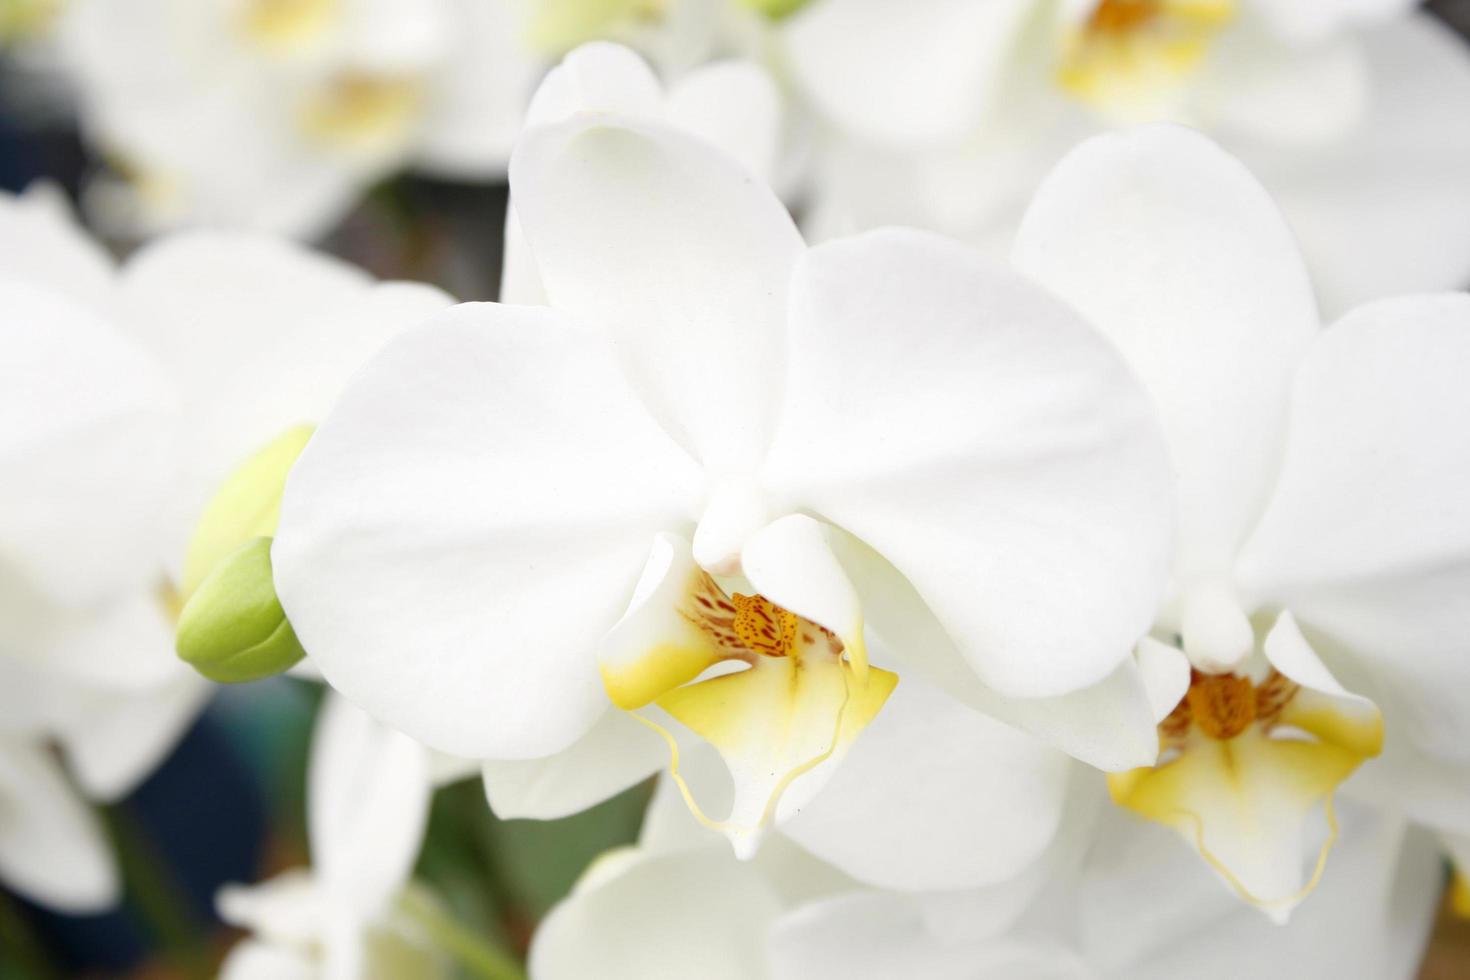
[[473, 952]]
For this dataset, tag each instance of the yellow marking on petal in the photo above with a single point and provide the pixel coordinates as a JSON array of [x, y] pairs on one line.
[[1131, 58], [362, 112], [558, 26], [693, 634], [282, 25], [247, 505], [1245, 764]]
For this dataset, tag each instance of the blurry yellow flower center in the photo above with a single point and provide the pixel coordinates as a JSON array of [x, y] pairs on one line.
[[21, 19], [799, 700], [1132, 59], [557, 26], [362, 113], [285, 24]]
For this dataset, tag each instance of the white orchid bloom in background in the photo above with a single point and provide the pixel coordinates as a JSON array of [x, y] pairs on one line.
[[1322, 574], [86, 454], [947, 113], [367, 808], [753, 424], [1120, 900], [277, 114]]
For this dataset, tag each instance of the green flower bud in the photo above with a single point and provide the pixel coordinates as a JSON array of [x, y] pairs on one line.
[[247, 505], [775, 9], [233, 628]]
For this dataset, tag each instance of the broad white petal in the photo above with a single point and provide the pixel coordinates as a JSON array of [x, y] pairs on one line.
[[1177, 254], [253, 960], [616, 753], [367, 806], [1002, 444], [282, 329], [688, 914], [1367, 538], [1152, 912], [600, 78], [469, 521], [919, 72], [877, 935], [45, 247], [1302, 21], [1381, 210], [736, 106], [1297, 96], [680, 256], [52, 847], [126, 736], [86, 441], [1109, 724], [935, 796]]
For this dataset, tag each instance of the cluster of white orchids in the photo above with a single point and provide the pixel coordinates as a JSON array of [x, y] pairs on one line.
[[1072, 583]]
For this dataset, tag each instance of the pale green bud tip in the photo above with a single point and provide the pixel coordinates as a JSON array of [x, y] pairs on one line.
[[233, 628], [776, 9]]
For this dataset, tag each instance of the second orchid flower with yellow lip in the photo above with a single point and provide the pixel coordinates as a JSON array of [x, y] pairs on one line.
[[1324, 499], [746, 421]]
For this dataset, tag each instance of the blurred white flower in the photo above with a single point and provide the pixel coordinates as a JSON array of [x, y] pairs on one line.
[[753, 424], [276, 114], [349, 916], [1324, 507], [1119, 900], [947, 113]]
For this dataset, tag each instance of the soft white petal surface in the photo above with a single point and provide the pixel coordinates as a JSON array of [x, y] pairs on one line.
[[983, 439], [680, 256], [935, 796], [367, 806], [695, 913], [615, 753], [86, 437], [469, 521], [1367, 538], [52, 847], [1174, 250], [1381, 210]]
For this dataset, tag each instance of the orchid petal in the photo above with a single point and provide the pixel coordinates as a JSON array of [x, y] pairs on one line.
[[1177, 254], [1367, 538], [125, 737], [368, 806], [619, 215], [1005, 443], [469, 521], [1109, 724], [286, 328], [991, 798], [686, 914], [86, 427], [52, 847], [616, 753], [1370, 225]]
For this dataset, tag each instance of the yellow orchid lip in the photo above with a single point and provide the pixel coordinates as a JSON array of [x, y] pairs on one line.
[[793, 701], [1241, 764], [1130, 58]]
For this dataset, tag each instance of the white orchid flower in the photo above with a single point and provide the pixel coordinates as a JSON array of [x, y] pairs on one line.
[[276, 114], [1324, 501], [677, 36], [367, 808], [768, 432], [947, 113]]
